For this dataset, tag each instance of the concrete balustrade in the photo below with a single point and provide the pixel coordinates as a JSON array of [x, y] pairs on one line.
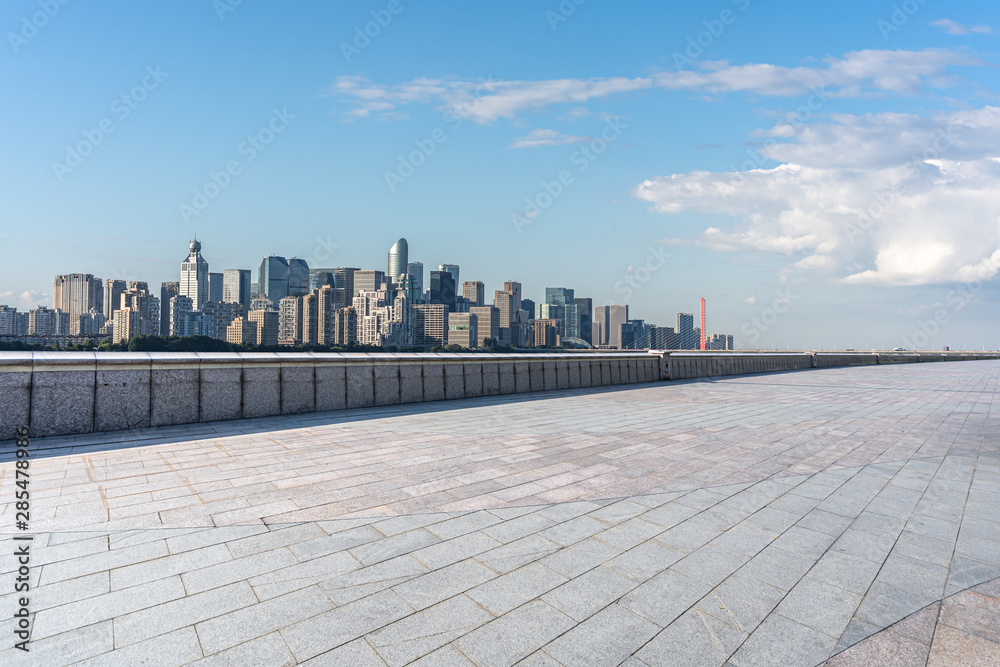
[[64, 393]]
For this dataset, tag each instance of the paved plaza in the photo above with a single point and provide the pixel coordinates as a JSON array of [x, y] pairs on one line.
[[848, 515]]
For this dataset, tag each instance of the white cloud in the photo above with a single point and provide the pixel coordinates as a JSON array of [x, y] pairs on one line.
[[751, 300], [855, 74], [546, 138], [25, 301], [888, 198], [954, 28]]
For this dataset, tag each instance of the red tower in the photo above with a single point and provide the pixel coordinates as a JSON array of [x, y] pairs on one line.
[[703, 324]]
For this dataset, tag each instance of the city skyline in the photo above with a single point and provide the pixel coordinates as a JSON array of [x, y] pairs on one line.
[[223, 305], [856, 247]]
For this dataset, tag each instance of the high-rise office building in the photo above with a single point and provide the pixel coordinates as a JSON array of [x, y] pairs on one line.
[[462, 330], [298, 277], [487, 323], [586, 310], [608, 319], [409, 288], [344, 277], [416, 269], [474, 292], [504, 302], [320, 277], [272, 278], [546, 333], [215, 287], [453, 270], [168, 291], [571, 321], [662, 338], [194, 276], [113, 289], [443, 289], [559, 296], [430, 324], [367, 281], [399, 257], [514, 288], [236, 286], [685, 331], [76, 294]]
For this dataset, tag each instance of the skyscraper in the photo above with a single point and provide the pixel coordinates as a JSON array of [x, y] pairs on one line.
[[443, 289], [367, 281], [416, 269], [8, 321], [215, 287], [399, 257], [272, 278], [320, 277], [609, 320], [685, 331], [514, 289], [453, 270], [462, 330], [168, 291], [430, 324], [474, 292], [298, 277], [344, 277], [236, 286], [76, 294], [194, 276], [586, 309], [112, 295], [487, 323]]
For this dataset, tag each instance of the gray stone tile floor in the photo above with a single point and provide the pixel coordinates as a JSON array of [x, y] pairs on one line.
[[779, 519]]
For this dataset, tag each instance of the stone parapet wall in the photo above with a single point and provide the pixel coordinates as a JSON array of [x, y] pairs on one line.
[[66, 393]]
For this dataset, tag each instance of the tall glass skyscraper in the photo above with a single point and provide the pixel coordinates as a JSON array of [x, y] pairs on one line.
[[194, 276], [416, 269], [272, 279], [399, 257], [298, 277], [453, 270]]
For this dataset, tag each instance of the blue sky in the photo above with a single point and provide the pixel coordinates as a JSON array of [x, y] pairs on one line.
[[704, 184]]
